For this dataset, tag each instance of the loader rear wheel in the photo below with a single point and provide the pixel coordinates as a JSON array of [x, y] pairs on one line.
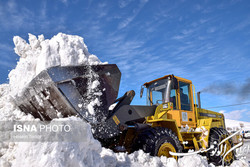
[[215, 156], [159, 141]]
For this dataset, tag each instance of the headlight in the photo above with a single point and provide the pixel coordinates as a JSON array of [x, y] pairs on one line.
[[165, 106]]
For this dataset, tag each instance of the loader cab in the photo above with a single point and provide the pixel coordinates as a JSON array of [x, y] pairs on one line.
[[177, 90]]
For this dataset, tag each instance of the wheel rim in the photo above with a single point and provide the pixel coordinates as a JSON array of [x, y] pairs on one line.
[[164, 150]]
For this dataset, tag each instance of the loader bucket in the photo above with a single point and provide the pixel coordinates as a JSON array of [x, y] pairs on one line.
[[86, 91]]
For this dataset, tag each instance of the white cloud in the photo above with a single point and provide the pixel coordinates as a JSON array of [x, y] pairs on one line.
[[5, 47], [203, 21], [64, 1], [211, 30], [124, 3], [243, 24], [16, 17], [129, 19], [7, 64], [13, 17], [11, 5], [234, 115], [186, 32], [177, 37], [44, 9], [197, 7], [102, 10]]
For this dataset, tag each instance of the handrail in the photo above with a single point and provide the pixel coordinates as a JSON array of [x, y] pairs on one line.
[[195, 107]]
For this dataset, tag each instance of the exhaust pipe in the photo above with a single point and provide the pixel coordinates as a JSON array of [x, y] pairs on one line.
[[199, 99]]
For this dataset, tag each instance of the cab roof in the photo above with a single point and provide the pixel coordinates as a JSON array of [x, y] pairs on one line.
[[146, 84]]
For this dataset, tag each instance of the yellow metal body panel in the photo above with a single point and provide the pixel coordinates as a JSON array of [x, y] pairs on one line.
[[116, 120], [177, 115], [217, 118], [209, 119], [160, 119], [183, 80], [206, 123], [167, 123], [192, 138], [196, 146]]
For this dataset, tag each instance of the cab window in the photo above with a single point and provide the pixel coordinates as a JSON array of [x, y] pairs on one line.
[[155, 93], [173, 98], [185, 96], [157, 97]]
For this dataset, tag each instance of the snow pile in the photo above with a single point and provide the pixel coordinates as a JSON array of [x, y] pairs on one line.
[[57, 154], [239, 163], [184, 129], [234, 125], [20, 154], [40, 54], [137, 159], [193, 160], [64, 50], [8, 110], [35, 56]]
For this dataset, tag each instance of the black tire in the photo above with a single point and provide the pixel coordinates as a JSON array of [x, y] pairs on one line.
[[151, 140], [215, 137]]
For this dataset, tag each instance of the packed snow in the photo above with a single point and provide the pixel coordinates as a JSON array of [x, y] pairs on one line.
[[61, 50]]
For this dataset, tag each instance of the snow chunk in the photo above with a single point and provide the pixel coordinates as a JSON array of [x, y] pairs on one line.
[[4, 163], [193, 161], [137, 159], [237, 163], [95, 84]]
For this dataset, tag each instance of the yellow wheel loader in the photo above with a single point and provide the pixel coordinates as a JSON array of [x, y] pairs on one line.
[[169, 125]]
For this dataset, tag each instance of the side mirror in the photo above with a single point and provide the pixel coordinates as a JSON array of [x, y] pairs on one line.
[[141, 93]]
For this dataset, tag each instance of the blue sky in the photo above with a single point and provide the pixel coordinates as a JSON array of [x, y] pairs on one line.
[[207, 42]]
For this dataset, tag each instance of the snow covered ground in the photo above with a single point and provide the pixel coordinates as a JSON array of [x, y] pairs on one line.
[[234, 125], [63, 50]]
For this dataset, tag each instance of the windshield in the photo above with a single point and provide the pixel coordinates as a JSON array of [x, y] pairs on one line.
[[158, 92]]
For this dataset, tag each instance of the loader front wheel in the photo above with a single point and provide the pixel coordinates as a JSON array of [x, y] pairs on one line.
[[164, 150], [159, 141]]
